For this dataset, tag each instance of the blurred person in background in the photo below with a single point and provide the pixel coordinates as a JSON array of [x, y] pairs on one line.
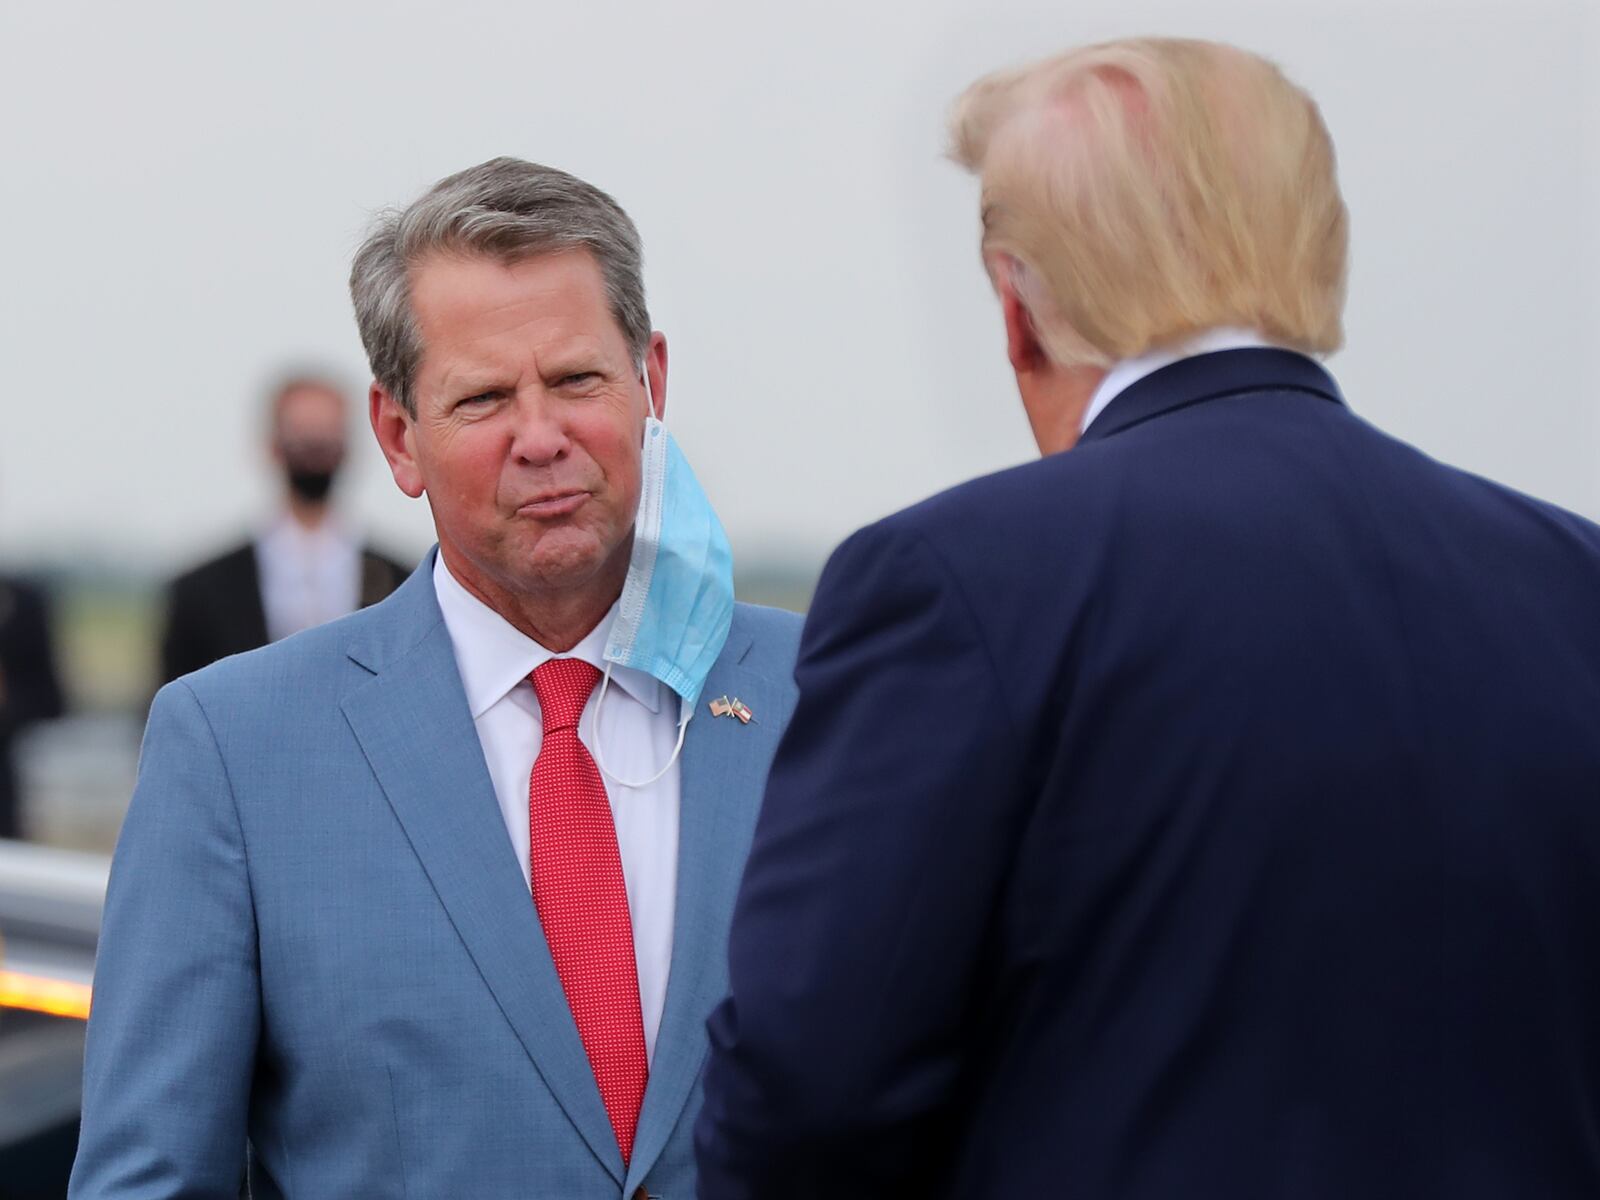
[[306, 568], [1212, 808], [30, 688], [393, 898]]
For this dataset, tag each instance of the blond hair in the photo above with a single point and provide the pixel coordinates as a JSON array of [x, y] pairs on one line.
[[1141, 191]]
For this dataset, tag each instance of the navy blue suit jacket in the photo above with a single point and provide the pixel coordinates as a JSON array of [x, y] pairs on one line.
[[1210, 811]]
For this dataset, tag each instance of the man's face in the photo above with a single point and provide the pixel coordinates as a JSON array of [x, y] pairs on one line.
[[309, 434], [530, 417]]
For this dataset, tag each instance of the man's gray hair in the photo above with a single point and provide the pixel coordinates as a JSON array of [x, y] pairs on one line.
[[506, 209]]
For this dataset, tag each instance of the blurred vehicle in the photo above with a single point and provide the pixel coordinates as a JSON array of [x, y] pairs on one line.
[[50, 903]]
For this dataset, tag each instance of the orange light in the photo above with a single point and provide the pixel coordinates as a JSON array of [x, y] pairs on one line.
[[37, 993]]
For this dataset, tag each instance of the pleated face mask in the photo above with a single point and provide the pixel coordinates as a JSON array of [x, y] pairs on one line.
[[677, 600]]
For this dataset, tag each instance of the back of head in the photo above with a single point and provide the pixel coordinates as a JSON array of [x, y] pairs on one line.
[[1140, 191]]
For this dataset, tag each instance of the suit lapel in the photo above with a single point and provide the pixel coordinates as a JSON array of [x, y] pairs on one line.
[[414, 726], [720, 781]]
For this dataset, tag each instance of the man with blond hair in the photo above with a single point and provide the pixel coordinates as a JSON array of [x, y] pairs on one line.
[[1212, 810]]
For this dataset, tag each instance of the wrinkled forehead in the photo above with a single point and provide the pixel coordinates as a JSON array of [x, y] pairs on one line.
[[478, 313]]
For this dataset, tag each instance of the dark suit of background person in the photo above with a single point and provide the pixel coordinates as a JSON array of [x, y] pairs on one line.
[[250, 595], [215, 609], [1212, 811], [30, 689]]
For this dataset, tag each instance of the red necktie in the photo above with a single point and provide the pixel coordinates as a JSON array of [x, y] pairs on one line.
[[582, 900]]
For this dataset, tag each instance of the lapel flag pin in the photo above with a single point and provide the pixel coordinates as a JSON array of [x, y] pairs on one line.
[[742, 711], [721, 708]]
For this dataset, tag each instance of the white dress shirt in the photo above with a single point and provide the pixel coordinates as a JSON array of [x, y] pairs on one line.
[[638, 734], [308, 576], [1129, 371]]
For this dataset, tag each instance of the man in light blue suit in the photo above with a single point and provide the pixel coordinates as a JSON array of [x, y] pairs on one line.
[[319, 936]]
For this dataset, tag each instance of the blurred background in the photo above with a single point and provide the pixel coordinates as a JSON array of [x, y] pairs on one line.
[[183, 185]]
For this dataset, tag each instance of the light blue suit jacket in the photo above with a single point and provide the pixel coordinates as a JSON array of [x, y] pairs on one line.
[[317, 935]]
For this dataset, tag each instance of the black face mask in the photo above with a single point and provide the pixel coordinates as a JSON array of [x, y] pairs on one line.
[[309, 467], [309, 483]]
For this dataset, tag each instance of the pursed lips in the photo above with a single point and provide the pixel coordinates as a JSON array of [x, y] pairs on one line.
[[553, 504]]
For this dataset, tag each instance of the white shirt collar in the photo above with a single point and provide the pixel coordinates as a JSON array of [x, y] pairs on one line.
[[1129, 371], [494, 656]]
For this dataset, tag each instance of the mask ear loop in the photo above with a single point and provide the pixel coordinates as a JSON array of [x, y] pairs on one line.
[[605, 681], [649, 392], [599, 759]]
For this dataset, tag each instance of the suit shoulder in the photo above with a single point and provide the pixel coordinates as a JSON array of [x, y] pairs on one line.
[[22, 593], [774, 632], [996, 517], [220, 566], [378, 557], [763, 619], [287, 668], [1003, 498], [1565, 523], [24, 610]]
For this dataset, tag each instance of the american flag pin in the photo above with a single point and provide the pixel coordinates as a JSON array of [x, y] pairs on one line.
[[742, 711], [721, 708]]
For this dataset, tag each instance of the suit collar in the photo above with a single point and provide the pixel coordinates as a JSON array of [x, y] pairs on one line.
[[1210, 377], [391, 629], [1129, 371]]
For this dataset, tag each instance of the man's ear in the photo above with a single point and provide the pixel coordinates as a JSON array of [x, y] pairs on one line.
[[655, 366], [1023, 346], [396, 434]]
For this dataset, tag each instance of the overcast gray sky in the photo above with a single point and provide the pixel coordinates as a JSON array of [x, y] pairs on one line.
[[183, 185]]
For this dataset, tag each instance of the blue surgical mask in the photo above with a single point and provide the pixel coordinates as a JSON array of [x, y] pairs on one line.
[[677, 600]]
